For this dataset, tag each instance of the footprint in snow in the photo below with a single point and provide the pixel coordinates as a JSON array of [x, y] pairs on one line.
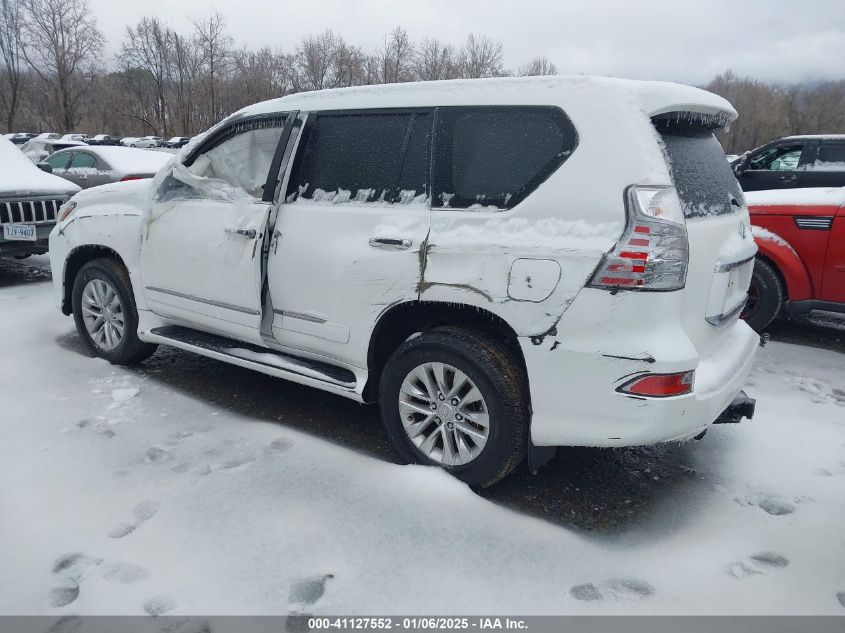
[[308, 590], [775, 505], [71, 568], [619, 588], [67, 624], [157, 605], [88, 424], [756, 565], [140, 514], [841, 597], [123, 573], [279, 445], [156, 455]]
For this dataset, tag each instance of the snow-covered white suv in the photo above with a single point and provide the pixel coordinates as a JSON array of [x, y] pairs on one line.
[[505, 265]]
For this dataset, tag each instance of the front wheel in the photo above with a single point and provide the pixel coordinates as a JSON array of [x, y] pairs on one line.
[[765, 296], [456, 399], [105, 313]]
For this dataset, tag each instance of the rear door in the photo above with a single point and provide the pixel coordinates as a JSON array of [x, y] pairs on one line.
[[85, 170], [774, 167], [827, 165], [350, 236]]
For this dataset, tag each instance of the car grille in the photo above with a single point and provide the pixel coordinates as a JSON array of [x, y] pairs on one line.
[[30, 211]]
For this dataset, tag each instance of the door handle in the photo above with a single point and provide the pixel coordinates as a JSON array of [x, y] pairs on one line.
[[249, 234], [394, 243], [792, 178]]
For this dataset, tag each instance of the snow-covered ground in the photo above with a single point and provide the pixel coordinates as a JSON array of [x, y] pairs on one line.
[[122, 494]]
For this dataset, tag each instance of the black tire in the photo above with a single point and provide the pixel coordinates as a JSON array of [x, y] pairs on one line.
[[130, 350], [765, 298], [499, 378]]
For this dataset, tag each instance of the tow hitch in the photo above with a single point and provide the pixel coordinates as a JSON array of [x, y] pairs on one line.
[[741, 407]]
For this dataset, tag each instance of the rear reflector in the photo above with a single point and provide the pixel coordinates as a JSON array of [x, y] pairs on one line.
[[660, 385]]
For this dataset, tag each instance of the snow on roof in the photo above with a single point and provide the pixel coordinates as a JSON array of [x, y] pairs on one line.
[[129, 159], [801, 197], [798, 137], [654, 97], [20, 176]]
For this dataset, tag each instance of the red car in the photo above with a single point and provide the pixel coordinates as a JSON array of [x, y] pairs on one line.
[[801, 262]]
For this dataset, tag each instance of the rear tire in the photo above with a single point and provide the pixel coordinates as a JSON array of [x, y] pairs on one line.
[[765, 296], [118, 340], [455, 443]]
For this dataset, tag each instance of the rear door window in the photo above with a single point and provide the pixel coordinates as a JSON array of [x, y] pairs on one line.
[[830, 157], [364, 157], [781, 158], [82, 160], [494, 157]]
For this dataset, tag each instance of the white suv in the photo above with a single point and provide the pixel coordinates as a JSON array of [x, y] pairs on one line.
[[505, 265], [147, 141]]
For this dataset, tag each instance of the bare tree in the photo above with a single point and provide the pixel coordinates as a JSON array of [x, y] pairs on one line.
[[481, 57], [314, 57], [214, 47], [538, 66], [62, 46], [435, 60], [396, 57], [149, 47], [11, 23]]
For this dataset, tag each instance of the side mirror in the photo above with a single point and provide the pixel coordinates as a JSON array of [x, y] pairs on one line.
[[45, 167]]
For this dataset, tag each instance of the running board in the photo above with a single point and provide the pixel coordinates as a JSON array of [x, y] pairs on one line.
[[261, 359]]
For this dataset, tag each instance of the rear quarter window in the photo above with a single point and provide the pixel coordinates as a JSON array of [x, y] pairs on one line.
[[496, 156], [703, 177]]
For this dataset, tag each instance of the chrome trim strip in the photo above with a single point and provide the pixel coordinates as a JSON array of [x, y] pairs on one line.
[[721, 319], [211, 302], [300, 316]]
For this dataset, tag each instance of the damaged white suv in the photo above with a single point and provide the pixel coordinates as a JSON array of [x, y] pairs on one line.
[[505, 265]]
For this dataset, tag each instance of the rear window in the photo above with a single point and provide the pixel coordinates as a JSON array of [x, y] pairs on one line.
[[831, 157], [703, 177], [496, 156]]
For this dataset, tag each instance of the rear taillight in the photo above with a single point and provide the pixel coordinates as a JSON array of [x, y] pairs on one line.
[[653, 253], [660, 385], [125, 178]]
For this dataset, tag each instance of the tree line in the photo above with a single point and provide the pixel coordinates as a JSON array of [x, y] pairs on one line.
[[162, 82]]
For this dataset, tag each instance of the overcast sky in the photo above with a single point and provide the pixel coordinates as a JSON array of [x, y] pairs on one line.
[[778, 40]]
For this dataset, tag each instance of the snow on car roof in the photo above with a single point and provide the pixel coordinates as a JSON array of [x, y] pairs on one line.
[[19, 175], [654, 97], [798, 137], [129, 159], [809, 196]]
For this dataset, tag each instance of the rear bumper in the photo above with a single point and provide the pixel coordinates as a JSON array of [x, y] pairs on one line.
[[573, 385]]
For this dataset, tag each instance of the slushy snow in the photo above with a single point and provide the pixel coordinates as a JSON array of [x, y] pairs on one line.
[[123, 494]]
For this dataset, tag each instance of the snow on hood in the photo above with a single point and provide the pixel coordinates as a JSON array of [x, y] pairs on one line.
[[130, 160], [809, 196], [135, 193], [20, 176]]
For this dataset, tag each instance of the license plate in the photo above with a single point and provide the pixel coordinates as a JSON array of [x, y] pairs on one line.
[[24, 232]]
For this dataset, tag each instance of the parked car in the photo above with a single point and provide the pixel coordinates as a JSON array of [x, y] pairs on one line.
[[103, 139], [19, 138], [506, 265], [38, 149], [147, 141], [83, 138], [99, 165], [801, 263], [29, 201], [127, 141], [52, 135], [794, 162], [177, 141]]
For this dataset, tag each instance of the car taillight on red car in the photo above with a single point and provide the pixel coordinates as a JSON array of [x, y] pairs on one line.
[[660, 385], [125, 178], [653, 253]]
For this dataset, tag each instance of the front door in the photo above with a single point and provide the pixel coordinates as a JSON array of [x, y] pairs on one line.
[[350, 238], [833, 280], [201, 253], [775, 167]]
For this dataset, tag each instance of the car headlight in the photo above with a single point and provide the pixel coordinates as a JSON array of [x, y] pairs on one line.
[[65, 210]]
